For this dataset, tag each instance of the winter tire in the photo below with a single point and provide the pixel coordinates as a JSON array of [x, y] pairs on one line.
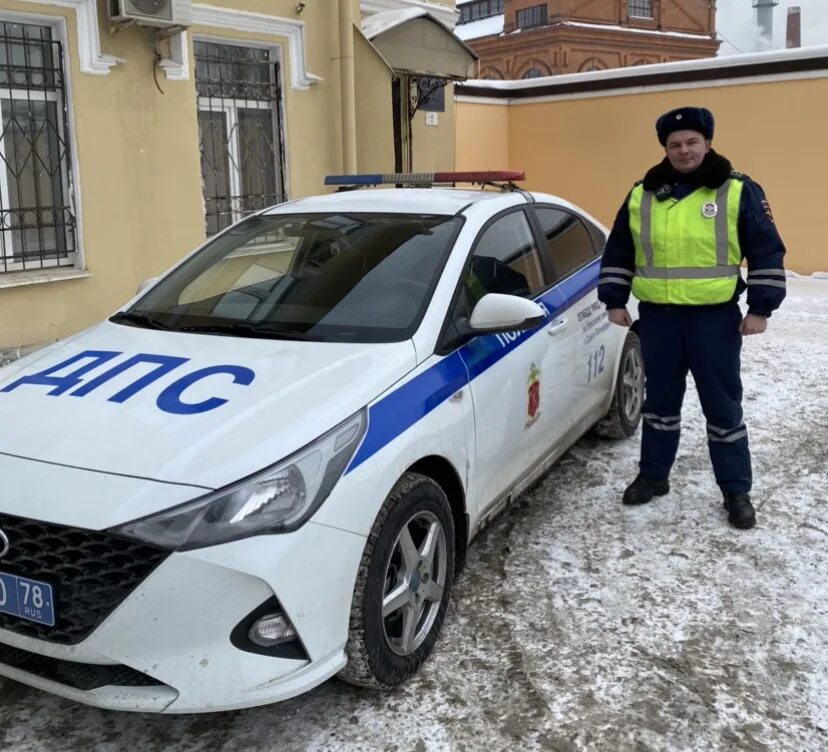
[[403, 585], [624, 414]]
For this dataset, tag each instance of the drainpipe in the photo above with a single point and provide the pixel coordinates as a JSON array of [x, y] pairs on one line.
[[347, 80]]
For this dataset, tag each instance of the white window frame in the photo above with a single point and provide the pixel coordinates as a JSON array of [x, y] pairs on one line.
[[69, 178]]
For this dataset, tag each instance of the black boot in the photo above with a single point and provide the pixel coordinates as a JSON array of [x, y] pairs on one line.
[[740, 511], [643, 488]]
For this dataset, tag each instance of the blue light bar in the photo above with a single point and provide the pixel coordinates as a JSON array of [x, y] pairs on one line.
[[353, 179]]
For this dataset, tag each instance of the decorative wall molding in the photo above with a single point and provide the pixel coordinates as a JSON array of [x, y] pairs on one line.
[[92, 60], [177, 67], [237, 20]]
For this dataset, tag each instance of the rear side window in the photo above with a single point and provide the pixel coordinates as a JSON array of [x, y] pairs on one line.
[[568, 244], [599, 236]]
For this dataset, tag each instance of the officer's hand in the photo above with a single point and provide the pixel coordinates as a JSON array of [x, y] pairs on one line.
[[619, 316], [753, 324]]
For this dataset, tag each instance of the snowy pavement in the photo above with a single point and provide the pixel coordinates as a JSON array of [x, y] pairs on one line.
[[581, 624]]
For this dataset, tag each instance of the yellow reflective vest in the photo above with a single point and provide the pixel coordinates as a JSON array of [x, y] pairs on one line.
[[686, 251]]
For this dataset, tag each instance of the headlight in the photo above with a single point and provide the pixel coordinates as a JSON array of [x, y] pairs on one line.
[[279, 499]]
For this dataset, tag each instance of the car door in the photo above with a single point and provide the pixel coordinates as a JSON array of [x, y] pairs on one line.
[[506, 370], [582, 340]]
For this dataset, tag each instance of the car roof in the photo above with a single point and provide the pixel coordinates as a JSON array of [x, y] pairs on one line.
[[397, 200], [442, 201]]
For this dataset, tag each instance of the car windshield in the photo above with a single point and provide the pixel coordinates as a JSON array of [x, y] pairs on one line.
[[315, 277]]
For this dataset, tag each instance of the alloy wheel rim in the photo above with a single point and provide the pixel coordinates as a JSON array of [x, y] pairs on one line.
[[632, 386], [415, 579]]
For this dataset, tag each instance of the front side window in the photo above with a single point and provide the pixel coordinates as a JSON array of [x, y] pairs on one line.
[[313, 277], [537, 15], [505, 261], [568, 243], [37, 221], [239, 131]]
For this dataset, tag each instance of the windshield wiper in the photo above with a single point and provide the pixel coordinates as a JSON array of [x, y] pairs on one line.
[[240, 329], [229, 329], [139, 319]]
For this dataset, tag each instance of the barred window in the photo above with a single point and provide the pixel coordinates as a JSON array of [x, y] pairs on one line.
[[480, 9], [537, 15], [37, 222], [240, 131], [533, 73], [641, 8]]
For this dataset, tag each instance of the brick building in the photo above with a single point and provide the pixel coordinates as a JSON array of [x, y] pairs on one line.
[[527, 39]]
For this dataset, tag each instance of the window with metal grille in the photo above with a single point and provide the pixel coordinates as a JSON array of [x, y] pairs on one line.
[[533, 73], [480, 9], [641, 8], [240, 131], [37, 221], [535, 16]]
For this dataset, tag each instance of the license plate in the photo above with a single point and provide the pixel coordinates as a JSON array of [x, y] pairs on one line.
[[28, 599]]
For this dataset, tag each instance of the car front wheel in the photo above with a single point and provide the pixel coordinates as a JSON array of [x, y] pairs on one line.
[[625, 410], [403, 585]]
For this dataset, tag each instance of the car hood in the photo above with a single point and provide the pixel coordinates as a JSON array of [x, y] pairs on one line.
[[201, 410]]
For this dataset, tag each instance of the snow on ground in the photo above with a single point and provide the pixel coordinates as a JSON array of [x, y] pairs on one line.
[[581, 624]]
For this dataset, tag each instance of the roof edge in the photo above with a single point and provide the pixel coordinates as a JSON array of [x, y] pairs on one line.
[[800, 60]]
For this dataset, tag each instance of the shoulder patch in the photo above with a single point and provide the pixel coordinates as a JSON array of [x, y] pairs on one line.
[[767, 210]]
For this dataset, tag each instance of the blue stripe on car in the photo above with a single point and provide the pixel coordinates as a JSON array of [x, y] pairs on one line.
[[397, 411]]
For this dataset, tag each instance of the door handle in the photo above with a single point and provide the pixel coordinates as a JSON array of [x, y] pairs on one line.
[[556, 326]]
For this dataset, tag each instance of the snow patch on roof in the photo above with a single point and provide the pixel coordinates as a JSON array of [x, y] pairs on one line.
[[610, 27], [379, 23], [718, 63], [483, 27]]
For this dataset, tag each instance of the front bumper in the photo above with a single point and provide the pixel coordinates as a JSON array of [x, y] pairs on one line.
[[175, 627]]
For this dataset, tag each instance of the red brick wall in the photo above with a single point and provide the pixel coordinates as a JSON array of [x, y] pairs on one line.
[[555, 49]]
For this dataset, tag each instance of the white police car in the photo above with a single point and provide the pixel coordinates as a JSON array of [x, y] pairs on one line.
[[266, 468]]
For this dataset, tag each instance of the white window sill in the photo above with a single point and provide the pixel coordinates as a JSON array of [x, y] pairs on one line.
[[41, 276]]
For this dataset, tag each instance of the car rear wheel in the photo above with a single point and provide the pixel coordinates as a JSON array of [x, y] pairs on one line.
[[403, 585], [625, 410]]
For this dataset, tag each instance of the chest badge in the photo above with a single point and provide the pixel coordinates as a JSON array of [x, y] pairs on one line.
[[710, 210]]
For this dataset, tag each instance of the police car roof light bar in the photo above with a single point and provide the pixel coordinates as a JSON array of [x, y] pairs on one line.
[[489, 177]]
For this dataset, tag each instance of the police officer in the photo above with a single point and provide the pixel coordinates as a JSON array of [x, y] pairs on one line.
[[677, 244]]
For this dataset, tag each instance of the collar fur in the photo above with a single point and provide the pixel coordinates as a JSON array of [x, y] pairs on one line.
[[711, 173]]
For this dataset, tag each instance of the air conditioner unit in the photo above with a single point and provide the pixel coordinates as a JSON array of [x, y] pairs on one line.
[[158, 13]]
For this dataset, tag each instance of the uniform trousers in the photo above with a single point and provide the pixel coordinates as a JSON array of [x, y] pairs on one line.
[[705, 341]]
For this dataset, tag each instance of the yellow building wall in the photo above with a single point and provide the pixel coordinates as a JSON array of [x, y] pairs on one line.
[[482, 136], [433, 145], [139, 192], [138, 164], [591, 150], [374, 117], [136, 159]]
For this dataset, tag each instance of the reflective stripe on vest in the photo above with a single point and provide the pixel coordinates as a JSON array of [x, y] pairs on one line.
[[683, 254]]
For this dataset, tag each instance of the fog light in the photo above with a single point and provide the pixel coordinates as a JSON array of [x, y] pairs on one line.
[[272, 629]]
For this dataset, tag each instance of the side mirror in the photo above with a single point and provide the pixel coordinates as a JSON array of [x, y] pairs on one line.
[[145, 284], [495, 312]]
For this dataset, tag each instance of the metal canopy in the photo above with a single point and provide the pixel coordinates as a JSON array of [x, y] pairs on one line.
[[414, 42]]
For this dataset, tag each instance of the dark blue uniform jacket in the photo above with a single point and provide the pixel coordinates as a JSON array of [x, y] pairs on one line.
[[758, 237]]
